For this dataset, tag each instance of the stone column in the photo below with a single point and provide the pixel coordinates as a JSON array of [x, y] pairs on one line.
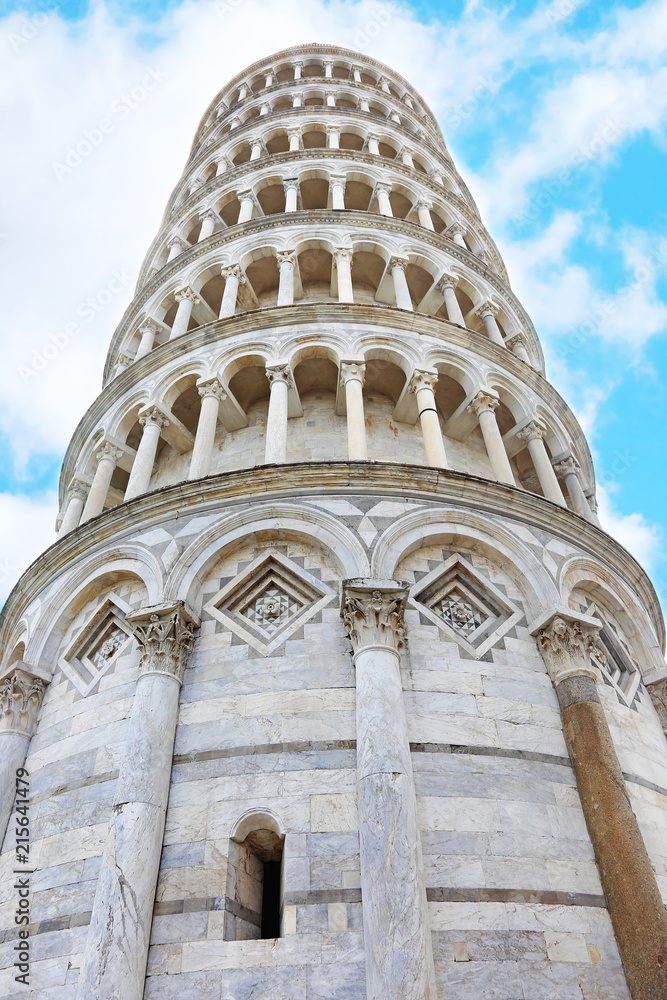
[[263, 110], [343, 264], [423, 383], [569, 469], [399, 960], [483, 406], [383, 191], [424, 212], [352, 375], [294, 136], [186, 299], [447, 286], [333, 137], [517, 346], [212, 394], [268, 82], [209, 220], [280, 380], [533, 434], [221, 166], [255, 149], [21, 694], [384, 85], [397, 266], [148, 329], [176, 247], [373, 144], [115, 960], [77, 492], [456, 233], [406, 158], [487, 313], [243, 92], [286, 261], [291, 185], [437, 177], [97, 495], [331, 100], [234, 277], [364, 105], [395, 117], [298, 66], [296, 101], [247, 202], [571, 651], [356, 73], [142, 469], [337, 182], [328, 68]]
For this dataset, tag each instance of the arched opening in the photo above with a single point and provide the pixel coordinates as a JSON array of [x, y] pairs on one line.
[[264, 276], [400, 205], [314, 139], [349, 140], [367, 271], [358, 196], [315, 272], [229, 213], [242, 157], [279, 144], [314, 193], [387, 151], [272, 198]]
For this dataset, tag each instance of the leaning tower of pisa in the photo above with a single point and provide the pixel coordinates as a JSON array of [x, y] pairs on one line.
[[332, 687]]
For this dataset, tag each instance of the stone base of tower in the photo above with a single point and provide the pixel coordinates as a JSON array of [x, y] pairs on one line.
[[265, 765]]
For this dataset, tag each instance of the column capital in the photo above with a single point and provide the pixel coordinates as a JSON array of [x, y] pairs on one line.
[[196, 185], [78, 488], [209, 213], [279, 372], [372, 135], [211, 387], [338, 179], [424, 203], [152, 415], [569, 642], [22, 690], [295, 130], [290, 184], [456, 229], [333, 128], [124, 361], [328, 62], [351, 371], [567, 467], [484, 401], [447, 281], [247, 195], [165, 634], [383, 187], [532, 431], [399, 263], [286, 257], [423, 378], [487, 308], [148, 326], [187, 293], [109, 452], [234, 271], [344, 254], [178, 241], [516, 340], [373, 613]]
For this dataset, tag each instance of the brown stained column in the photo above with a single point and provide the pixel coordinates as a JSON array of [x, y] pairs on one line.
[[569, 645]]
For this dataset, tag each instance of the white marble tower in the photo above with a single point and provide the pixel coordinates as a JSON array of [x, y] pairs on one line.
[[332, 687]]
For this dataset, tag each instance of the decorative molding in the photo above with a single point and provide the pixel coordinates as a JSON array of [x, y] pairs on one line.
[[569, 643], [165, 635], [373, 613], [21, 695]]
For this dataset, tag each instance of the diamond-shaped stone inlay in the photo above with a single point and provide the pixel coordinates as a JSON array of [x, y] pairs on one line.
[[98, 644], [465, 606], [612, 654], [269, 601]]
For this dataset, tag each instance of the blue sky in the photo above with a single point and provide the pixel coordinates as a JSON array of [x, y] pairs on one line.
[[554, 112]]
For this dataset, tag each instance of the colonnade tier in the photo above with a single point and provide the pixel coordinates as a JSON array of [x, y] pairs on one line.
[[443, 407], [363, 181], [432, 263]]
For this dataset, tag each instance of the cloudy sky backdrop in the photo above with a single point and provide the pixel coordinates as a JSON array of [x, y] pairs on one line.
[[555, 114]]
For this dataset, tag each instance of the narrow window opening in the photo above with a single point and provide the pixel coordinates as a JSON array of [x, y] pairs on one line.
[[271, 900], [254, 887]]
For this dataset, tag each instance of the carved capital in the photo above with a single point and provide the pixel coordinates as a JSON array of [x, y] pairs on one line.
[[398, 263], [153, 416], [247, 195], [234, 271], [373, 613], [569, 644], [456, 229], [658, 693], [486, 309], [187, 293], [77, 488], [291, 184], [532, 431], [422, 378], [343, 254], [286, 257], [383, 187], [567, 467], [148, 326], [21, 696], [209, 213], [338, 180], [482, 402], [424, 203], [351, 371], [279, 373], [211, 387], [518, 340], [447, 281], [109, 452], [333, 129], [292, 132], [165, 635]]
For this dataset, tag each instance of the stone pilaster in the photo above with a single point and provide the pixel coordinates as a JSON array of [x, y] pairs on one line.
[[399, 960], [22, 688], [115, 964], [569, 645]]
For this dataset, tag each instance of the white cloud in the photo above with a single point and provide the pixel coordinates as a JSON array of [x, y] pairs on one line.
[[27, 527], [644, 540]]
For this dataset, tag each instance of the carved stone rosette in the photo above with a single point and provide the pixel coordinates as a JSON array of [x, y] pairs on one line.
[[373, 613], [21, 696], [165, 638]]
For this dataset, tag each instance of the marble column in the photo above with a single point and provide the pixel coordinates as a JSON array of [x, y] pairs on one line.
[[456, 233], [328, 68], [298, 66], [352, 375], [97, 495], [114, 966], [384, 85], [22, 689], [569, 469], [356, 74], [533, 434], [574, 657], [247, 203], [337, 182], [263, 110], [280, 381], [487, 312], [291, 186], [397, 939], [483, 406], [243, 92], [383, 191], [333, 137], [186, 299], [212, 394], [423, 383], [395, 117], [77, 491], [331, 100], [234, 277], [221, 166], [255, 149], [373, 143], [148, 329], [517, 346], [286, 262], [424, 212], [209, 220], [268, 81], [437, 178], [406, 158], [447, 286], [343, 264], [294, 136], [297, 101], [176, 247], [397, 266], [142, 469]]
